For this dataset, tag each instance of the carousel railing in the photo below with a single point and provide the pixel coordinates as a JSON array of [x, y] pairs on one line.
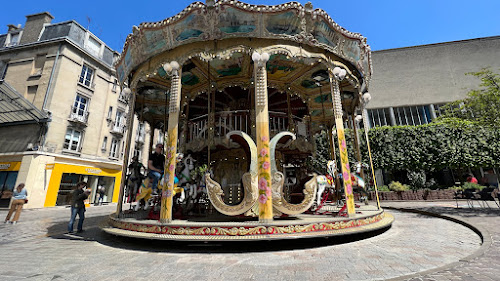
[[241, 120]]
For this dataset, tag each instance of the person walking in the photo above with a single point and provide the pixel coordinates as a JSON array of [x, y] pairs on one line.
[[78, 206], [19, 197]]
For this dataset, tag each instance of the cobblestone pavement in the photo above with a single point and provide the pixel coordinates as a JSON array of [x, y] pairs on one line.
[[483, 267], [37, 249]]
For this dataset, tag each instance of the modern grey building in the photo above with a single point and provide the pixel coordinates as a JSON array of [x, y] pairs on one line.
[[410, 84]]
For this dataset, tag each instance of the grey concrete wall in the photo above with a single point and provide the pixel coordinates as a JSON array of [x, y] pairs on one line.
[[430, 73], [16, 138]]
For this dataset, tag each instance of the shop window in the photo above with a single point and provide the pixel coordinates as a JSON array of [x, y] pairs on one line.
[[72, 140], [115, 148], [94, 183], [87, 75], [7, 184]]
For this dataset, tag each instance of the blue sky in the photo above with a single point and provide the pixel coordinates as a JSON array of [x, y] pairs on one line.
[[386, 23]]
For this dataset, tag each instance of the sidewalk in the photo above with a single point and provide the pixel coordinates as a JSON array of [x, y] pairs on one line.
[[37, 249], [486, 265]]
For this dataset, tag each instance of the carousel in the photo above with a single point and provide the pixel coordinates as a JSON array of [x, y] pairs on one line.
[[240, 93]]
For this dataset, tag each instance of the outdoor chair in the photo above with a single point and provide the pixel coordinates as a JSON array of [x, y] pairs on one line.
[[470, 195], [486, 195]]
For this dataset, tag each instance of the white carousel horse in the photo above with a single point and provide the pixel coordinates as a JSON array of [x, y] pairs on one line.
[[322, 182]]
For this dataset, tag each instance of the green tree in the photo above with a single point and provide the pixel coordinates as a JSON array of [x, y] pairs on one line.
[[481, 105]]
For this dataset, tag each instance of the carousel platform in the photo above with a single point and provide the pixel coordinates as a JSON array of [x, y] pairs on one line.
[[367, 219]]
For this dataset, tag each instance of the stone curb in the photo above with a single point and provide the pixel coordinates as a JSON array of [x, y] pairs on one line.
[[485, 236]]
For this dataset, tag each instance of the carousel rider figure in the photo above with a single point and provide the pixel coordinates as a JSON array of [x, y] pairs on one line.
[[156, 165]]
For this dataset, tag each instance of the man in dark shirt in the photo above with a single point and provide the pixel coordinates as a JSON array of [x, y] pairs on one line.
[[155, 165], [78, 206]]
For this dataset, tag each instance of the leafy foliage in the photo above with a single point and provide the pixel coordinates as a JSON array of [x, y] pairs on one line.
[[480, 105], [397, 186]]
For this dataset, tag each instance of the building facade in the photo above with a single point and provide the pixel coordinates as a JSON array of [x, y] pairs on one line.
[[410, 84], [63, 117]]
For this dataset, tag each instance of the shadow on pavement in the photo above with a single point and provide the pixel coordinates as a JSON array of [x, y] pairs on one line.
[[94, 233], [464, 212]]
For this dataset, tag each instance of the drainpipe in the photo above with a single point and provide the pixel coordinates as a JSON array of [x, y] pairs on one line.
[[44, 133]]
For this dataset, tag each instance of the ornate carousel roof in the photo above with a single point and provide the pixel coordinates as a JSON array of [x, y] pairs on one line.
[[214, 41]]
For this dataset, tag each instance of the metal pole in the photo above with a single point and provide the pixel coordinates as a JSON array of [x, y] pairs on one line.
[[365, 123]]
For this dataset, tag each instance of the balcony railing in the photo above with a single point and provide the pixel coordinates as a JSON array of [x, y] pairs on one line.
[[118, 128], [78, 115], [240, 120]]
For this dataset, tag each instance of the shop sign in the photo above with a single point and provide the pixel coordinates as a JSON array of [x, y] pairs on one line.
[[10, 166], [4, 166], [93, 171]]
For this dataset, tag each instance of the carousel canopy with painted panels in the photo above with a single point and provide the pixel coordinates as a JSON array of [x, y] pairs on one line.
[[214, 41]]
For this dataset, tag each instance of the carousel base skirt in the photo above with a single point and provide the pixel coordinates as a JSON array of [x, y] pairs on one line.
[[367, 219]]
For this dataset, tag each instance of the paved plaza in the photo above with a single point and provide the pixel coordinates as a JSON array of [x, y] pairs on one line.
[[416, 247]]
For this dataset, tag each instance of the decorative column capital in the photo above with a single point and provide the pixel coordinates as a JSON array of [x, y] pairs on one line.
[[260, 59], [338, 73], [172, 68]]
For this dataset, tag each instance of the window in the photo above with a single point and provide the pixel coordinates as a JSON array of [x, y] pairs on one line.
[[120, 118], [110, 113], [438, 109], [38, 65], [104, 144], [138, 152], [86, 76], [80, 106], [72, 139], [379, 117], [93, 46], [115, 85], [412, 115], [115, 148], [14, 39]]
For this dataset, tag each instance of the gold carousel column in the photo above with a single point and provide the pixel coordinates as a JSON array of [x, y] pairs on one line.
[[130, 124], [262, 137], [335, 76], [174, 70]]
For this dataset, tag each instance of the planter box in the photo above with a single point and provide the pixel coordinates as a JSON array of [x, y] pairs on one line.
[[420, 194]]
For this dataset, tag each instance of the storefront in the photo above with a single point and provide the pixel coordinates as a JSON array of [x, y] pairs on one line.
[[65, 177], [8, 177]]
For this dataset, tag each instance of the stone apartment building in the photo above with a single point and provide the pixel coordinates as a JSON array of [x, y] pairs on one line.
[[62, 114]]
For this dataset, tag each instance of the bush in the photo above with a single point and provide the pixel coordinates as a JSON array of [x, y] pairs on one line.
[[397, 186], [383, 188], [458, 188], [470, 185]]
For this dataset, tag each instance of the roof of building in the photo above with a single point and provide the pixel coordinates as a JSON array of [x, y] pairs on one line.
[[15, 109]]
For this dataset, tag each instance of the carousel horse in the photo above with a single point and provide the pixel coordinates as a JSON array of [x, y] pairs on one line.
[[145, 194], [322, 182]]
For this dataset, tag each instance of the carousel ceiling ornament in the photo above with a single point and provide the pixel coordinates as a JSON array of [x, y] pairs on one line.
[[226, 19]]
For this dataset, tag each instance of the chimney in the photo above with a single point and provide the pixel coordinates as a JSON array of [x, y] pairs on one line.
[[34, 25], [13, 28]]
